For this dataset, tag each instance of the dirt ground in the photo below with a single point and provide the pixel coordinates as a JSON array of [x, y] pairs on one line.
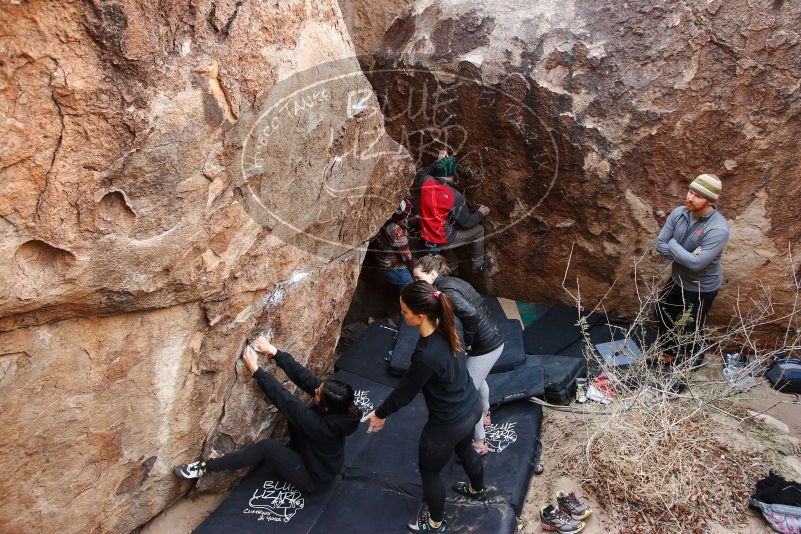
[[557, 436]]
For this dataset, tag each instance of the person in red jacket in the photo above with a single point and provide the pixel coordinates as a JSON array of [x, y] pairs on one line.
[[445, 220]]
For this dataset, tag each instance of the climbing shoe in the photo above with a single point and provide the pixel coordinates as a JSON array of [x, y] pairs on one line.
[[569, 504], [555, 520], [189, 471], [422, 524], [463, 489]]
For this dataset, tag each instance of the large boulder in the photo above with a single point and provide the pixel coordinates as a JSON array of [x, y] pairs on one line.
[[175, 179], [581, 123], [367, 20]]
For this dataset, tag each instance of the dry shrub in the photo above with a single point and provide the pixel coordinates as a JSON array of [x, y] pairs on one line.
[[656, 458], [660, 467]]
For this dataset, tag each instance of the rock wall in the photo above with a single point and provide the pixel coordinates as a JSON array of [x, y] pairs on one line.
[[175, 178], [367, 20], [581, 123]]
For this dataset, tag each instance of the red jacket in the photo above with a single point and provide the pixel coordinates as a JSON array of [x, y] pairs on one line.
[[442, 209]]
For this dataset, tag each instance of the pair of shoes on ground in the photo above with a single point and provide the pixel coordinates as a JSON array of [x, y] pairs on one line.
[[190, 471], [566, 517], [421, 524]]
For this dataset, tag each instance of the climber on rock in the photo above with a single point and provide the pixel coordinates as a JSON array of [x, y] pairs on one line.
[[444, 218], [316, 450], [693, 239]]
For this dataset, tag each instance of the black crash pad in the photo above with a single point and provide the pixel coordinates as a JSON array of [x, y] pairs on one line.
[[380, 488], [561, 373], [514, 442], [378, 507], [367, 356], [517, 384], [513, 351], [263, 503], [556, 330], [401, 356]]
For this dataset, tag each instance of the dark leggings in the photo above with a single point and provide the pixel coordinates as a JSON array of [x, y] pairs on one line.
[[437, 443], [286, 462], [673, 300]]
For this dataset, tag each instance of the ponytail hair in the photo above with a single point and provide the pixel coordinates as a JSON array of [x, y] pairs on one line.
[[423, 298], [338, 398], [436, 264]]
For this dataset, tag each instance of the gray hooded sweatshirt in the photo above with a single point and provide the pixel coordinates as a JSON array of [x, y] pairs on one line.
[[695, 248]]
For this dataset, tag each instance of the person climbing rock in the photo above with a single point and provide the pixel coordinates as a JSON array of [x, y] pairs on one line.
[[316, 449], [391, 247], [444, 218], [483, 339], [693, 239], [451, 398]]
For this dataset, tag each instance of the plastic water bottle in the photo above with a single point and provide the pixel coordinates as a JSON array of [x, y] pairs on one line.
[[733, 360]]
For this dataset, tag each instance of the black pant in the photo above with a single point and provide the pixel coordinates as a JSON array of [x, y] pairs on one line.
[[684, 340], [286, 462], [437, 443]]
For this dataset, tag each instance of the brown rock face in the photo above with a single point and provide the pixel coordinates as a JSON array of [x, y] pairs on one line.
[[174, 179], [581, 123], [367, 20]]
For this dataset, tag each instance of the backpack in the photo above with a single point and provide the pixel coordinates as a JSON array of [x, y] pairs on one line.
[[779, 500], [785, 375]]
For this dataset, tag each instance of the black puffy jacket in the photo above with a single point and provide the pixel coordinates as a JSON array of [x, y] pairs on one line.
[[481, 332]]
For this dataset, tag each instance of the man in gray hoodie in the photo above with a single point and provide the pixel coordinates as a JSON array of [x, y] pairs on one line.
[[693, 238]]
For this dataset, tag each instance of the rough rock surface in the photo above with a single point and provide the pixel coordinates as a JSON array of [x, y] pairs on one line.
[[174, 180], [367, 20], [581, 123]]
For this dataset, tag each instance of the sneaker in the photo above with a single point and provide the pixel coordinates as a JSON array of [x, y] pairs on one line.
[[189, 471], [555, 520], [463, 489], [421, 524], [569, 504]]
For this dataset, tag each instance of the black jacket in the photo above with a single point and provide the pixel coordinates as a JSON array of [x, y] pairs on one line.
[[481, 332], [449, 391], [318, 439]]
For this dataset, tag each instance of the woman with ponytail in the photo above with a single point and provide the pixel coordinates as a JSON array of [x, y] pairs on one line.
[[482, 336], [452, 400], [316, 450]]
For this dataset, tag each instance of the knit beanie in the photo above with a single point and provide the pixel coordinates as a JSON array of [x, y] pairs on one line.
[[707, 185], [445, 167]]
